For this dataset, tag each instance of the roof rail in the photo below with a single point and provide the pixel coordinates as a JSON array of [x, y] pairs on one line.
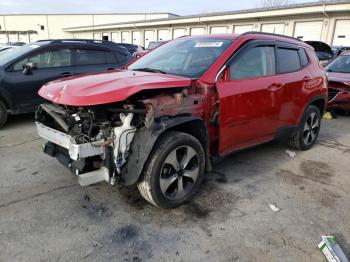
[[73, 40], [271, 34], [78, 40], [44, 40], [103, 43]]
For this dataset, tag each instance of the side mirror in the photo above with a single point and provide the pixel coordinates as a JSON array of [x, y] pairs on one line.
[[29, 67]]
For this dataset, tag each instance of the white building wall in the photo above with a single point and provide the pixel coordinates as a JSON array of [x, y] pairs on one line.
[[288, 21], [54, 24], [316, 27]]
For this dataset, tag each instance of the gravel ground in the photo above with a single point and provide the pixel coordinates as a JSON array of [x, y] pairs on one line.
[[46, 216]]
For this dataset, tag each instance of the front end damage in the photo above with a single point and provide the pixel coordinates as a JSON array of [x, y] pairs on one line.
[[111, 142], [338, 96]]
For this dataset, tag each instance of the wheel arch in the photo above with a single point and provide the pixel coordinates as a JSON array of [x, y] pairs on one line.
[[146, 138], [321, 103], [5, 99]]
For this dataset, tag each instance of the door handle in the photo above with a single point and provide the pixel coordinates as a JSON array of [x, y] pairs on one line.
[[275, 86], [66, 74], [110, 69]]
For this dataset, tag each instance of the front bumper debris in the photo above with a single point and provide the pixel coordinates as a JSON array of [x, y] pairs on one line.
[[76, 151]]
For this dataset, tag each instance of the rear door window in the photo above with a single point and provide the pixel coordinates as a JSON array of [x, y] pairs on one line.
[[47, 59], [95, 57], [256, 62], [288, 60], [119, 56]]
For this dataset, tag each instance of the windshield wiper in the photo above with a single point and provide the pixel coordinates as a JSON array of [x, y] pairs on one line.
[[152, 70]]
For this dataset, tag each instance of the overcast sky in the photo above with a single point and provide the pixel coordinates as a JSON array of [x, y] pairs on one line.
[[180, 7]]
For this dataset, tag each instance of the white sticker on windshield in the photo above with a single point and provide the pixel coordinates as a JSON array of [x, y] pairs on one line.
[[209, 44], [34, 46]]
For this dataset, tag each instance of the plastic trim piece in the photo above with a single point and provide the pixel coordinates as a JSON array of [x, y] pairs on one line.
[[76, 151]]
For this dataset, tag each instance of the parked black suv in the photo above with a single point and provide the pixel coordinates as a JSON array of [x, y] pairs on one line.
[[25, 69], [131, 48]]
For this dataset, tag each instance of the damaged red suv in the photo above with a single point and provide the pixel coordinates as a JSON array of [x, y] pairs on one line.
[[339, 83], [161, 122]]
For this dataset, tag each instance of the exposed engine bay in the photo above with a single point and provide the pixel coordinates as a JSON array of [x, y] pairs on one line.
[[99, 136], [94, 142]]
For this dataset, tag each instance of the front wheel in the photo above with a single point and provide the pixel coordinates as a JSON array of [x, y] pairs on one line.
[[3, 114], [174, 170], [308, 129]]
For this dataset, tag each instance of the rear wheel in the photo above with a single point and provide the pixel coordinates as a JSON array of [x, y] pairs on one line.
[[308, 129], [3, 114], [174, 171]]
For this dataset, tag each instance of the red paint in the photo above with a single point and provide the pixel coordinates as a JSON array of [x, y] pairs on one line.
[[107, 87], [339, 77], [339, 83], [250, 110]]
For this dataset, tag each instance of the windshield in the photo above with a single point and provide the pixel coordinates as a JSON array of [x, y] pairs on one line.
[[188, 57], [340, 65], [11, 53]]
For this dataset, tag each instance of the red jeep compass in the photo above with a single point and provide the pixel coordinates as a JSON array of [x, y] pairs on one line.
[[160, 122]]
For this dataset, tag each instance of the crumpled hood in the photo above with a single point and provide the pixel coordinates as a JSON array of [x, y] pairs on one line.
[[339, 77], [107, 87]]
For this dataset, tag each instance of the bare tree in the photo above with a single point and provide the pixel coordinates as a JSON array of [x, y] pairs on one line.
[[273, 3]]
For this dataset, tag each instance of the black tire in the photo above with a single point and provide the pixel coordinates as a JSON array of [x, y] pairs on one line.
[[3, 114], [305, 138], [185, 179]]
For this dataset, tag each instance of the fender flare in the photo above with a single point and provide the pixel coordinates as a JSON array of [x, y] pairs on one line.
[[312, 100], [143, 144], [5, 98], [320, 97]]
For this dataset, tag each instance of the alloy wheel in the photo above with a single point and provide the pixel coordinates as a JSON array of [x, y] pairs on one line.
[[311, 128], [179, 173]]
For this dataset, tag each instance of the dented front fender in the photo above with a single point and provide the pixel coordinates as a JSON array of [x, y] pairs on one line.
[[143, 143]]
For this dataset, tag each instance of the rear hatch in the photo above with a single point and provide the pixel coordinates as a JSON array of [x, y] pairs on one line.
[[323, 51]]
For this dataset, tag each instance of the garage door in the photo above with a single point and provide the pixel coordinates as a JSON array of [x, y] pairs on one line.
[[179, 32], [273, 28], [136, 37], [342, 33], [163, 35], [308, 31], [198, 31], [33, 38], [13, 38], [149, 37], [126, 37], [114, 37], [3, 38], [218, 30], [105, 36], [240, 29], [97, 36], [23, 38]]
